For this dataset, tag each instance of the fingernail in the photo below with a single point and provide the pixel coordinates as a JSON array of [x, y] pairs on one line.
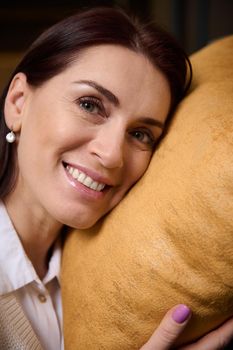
[[181, 313]]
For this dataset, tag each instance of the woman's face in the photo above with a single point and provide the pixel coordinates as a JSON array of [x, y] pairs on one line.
[[87, 134]]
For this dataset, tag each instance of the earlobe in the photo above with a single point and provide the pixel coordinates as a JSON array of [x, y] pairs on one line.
[[15, 101]]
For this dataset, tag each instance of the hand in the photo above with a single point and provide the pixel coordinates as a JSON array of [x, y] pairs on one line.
[[172, 326], [218, 339]]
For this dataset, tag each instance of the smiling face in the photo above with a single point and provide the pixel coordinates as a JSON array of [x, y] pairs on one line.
[[87, 134]]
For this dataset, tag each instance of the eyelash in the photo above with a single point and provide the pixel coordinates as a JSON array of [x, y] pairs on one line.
[[95, 102], [151, 140]]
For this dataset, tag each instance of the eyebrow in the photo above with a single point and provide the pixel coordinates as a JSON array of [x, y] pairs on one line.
[[152, 122], [108, 94], [113, 99]]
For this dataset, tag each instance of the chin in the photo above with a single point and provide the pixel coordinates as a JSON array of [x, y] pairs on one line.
[[82, 218], [81, 224]]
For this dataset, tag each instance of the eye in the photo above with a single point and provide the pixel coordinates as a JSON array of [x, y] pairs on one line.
[[91, 105], [144, 136]]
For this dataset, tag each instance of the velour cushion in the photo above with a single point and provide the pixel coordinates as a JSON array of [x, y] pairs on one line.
[[170, 240]]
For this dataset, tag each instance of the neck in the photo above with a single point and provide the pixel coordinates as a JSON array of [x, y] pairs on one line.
[[36, 230]]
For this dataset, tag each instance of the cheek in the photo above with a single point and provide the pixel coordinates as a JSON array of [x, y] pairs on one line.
[[133, 172], [137, 166], [134, 169]]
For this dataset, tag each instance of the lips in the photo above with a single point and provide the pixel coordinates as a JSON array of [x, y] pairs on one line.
[[85, 179]]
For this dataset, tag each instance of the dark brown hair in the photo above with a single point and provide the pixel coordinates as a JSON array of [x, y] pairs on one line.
[[60, 45]]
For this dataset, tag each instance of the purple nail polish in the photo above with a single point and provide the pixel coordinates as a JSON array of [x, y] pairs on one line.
[[181, 313]]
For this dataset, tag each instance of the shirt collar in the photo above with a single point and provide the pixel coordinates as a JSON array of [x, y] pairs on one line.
[[54, 264], [16, 270]]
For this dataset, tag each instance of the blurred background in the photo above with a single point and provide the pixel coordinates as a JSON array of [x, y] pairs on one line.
[[193, 22]]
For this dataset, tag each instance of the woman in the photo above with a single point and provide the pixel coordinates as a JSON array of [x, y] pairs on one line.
[[80, 120]]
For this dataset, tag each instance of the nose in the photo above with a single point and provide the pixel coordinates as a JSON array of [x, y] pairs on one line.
[[108, 146]]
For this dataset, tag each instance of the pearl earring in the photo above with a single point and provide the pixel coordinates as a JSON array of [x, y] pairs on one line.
[[10, 137]]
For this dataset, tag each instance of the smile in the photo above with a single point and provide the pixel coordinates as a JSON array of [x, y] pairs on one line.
[[85, 179]]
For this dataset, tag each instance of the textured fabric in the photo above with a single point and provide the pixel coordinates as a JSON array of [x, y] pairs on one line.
[[15, 329], [40, 301], [171, 239]]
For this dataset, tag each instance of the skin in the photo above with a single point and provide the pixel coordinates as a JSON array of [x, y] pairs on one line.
[[71, 120], [109, 137]]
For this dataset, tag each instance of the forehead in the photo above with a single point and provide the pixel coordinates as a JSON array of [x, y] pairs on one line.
[[127, 74], [108, 62], [111, 57]]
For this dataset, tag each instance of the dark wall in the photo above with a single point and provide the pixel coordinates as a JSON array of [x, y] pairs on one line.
[[193, 22]]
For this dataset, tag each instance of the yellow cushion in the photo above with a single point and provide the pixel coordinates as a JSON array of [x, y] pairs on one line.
[[171, 239]]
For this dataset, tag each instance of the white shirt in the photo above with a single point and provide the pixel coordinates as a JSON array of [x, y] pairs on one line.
[[40, 300]]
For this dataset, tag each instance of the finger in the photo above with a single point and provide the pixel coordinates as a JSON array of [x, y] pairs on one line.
[[169, 329], [218, 339]]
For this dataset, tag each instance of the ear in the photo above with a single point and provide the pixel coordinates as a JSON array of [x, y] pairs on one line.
[[15, 102]]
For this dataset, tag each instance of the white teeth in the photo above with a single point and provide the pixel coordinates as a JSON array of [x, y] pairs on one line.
[[85, 179], [75, 173], [70, 170], [81, 177], [100, 187], [94, 185]]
